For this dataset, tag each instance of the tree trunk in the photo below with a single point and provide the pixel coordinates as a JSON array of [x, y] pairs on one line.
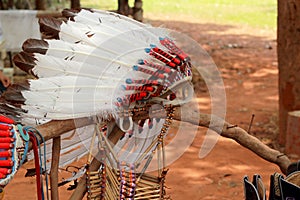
[[40, 5], [1, 5], [10, 4], [288, 49], [138, 10], [123, 7], [75, 4]]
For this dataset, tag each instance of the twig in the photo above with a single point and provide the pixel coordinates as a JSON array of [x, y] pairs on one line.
[[251, 122]]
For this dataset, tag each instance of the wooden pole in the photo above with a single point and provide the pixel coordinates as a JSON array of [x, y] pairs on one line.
[[80, 191], [54, 168], [55, 128]]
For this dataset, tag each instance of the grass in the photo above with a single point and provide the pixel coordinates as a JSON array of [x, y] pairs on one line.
[[255, 13]]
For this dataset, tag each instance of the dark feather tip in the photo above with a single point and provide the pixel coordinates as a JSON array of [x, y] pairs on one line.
[[50, 27], [35, 46], [25, 62]]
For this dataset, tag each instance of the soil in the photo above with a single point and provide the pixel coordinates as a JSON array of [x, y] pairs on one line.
[[246, 58]]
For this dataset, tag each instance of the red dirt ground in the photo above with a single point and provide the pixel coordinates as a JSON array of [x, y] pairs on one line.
[[246, 57]]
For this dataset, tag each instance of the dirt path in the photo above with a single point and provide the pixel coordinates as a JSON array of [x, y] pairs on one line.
[[247, 60]]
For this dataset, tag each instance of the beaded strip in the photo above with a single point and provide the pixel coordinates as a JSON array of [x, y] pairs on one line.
[[127, 182], [103, 182], [169, 44], [14, 146], [96, 180], [176, 68], [123, 182], [132, 182]]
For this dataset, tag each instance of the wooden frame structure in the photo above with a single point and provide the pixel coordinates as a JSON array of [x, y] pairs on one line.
[[54, 129]]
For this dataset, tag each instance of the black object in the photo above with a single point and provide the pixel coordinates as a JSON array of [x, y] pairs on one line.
[[255, 190]]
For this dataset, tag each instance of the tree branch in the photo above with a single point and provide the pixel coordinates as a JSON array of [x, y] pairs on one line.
[[238, 134]]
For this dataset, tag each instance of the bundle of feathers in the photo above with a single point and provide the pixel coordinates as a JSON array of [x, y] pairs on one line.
[[98, 63]]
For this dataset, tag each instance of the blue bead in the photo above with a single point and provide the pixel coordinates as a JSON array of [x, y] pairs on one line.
[[128, 81], [141, 62], [135, 68], [119, 99]]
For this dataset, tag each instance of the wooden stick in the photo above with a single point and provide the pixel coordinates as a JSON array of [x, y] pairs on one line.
[[156, 196], [54, 168], [144, 188], [227, 130], [57, 127], [80, 191], [147, 192], [236, 133], [113, 181]]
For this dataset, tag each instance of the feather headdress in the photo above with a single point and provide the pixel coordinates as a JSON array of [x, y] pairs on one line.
[[97, 63]]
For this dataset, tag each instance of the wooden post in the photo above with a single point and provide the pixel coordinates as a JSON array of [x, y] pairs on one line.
[[54, 168]]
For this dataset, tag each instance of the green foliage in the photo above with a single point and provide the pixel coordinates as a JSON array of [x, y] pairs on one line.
[[100, 4], [256, 13]]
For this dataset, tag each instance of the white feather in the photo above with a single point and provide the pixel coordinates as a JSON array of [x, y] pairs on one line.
[[80, 76]]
